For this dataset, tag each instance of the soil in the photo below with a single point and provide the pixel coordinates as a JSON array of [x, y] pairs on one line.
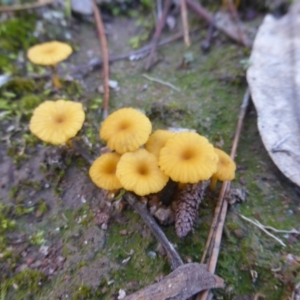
[[61, 237]]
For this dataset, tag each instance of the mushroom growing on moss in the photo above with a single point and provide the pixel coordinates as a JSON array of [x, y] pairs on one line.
[[103, 171], [157, 140], [139, 172], [125, 130], [50, 54], [56, 122], [225, 169], [188, 157]]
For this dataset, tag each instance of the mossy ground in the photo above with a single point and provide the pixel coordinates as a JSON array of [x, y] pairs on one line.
[[48, 200]]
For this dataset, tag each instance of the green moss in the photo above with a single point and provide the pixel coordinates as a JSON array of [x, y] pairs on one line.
[[42, 208], [37, 238], [29, 102], [16, 33], [72, 88], [19, 86], [26, 283]]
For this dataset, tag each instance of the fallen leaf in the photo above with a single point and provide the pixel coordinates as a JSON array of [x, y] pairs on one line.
[[184, 282], [274, 81]]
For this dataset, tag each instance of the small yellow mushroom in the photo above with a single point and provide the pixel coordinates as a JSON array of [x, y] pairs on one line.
[[225, 169], [157, 140], [50, 54], [56, 122], [125, 130], [103, 171], [188, 157], [139, 172]]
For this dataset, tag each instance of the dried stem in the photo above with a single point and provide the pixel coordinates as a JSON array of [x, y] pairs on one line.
[[173, 256], [185, 23], [236, 19], [80, 148], [203, 13], [105, 59], [162, 82], [157, 33], [264, 229], [216, 230], [37, 4]]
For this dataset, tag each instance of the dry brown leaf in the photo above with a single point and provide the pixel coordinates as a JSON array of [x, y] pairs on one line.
[[181, 284], [274, 81]]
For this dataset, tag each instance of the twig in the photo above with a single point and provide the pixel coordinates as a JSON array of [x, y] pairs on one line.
[[236, 18], [200, 11], [105, 59], [203, 13], [263, 228], [162, 82], [159, 9], [173, 256], [185, 23], [292, 231], [37, 4], [80, 148], [157, 34], [216, 229], [205, 45]]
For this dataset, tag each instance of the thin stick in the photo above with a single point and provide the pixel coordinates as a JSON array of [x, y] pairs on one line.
[[37, 4], [236, 18], [173, 256], [203, 13], [292, 231], [263, 228], [162, 82], [80, 148], [215, 233], [157, 34], [105, 59], [185, 23], [233, 150]]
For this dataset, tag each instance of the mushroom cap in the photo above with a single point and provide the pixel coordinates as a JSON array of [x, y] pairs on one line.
[[157, 140], [103, 171], [49, 54], [139, 172], [57, 121], [125, 130], [188, 158], [225, 166]]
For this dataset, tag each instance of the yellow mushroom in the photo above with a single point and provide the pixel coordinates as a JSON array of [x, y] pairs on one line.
[[56, 122], [125, 130], [103, 171], [157, 140], [49, 54], [225, 169], [188, 157], [139, 172]]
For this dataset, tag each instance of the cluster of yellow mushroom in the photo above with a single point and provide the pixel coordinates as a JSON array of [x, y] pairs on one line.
[[143, 163]]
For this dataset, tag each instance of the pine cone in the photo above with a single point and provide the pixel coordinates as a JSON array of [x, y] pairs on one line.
[[188, 201]]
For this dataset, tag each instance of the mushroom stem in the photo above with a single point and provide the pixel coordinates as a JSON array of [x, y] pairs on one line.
[[55, 79], [69, 143], [213, 183]]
